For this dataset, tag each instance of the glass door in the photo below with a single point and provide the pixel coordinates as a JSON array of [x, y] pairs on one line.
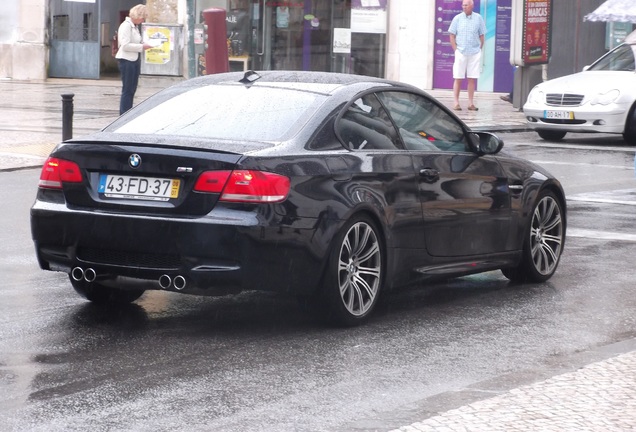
[[299, 35], [293, 35]]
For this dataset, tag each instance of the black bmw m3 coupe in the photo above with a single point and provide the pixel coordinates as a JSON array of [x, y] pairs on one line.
[[330, 187]]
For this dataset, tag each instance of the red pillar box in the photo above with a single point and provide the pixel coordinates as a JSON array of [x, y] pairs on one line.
[[215, 33]]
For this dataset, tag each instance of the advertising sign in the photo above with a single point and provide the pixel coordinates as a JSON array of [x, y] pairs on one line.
[[445, 10], [496, 72], [368, 16], [536, 31], [341, 41], [160, 38]]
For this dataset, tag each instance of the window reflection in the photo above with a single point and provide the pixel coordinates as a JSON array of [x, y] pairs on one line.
[[424, 125]]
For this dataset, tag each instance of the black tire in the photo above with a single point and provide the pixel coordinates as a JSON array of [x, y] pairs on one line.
[[550, 135], [354, 274], [101, 294], [630, 128], [543, 244]]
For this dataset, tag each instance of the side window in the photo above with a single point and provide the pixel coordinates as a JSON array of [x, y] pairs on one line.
[[366, 126], [422, 124]]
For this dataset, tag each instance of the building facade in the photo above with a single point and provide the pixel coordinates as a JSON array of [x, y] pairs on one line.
[[404, 40]]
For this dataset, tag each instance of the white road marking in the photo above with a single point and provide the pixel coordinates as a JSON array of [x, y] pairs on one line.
[[600, 235], [623, 167], [569, 146], [622, 196], [601, 200]]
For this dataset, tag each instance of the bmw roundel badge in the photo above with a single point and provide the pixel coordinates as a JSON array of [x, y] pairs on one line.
[[134, 160]]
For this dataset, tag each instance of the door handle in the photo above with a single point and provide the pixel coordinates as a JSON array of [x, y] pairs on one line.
[[430, 175]]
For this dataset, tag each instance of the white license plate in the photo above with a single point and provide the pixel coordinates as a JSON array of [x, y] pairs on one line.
[[141, 188], [563, 115]]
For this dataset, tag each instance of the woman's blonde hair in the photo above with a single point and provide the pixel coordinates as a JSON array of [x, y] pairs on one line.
[[138, 12]]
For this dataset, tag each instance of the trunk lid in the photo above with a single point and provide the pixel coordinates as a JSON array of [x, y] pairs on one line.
[[141, 178]]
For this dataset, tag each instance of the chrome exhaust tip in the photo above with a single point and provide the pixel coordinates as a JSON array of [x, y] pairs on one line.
[[165, 281], [77, 274], [89, 275], [179, 282]]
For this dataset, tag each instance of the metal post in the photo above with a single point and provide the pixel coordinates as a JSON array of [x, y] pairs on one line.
[[192, 56], [67, 116]]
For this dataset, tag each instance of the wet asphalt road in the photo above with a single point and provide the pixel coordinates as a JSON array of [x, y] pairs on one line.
[[253, 362]]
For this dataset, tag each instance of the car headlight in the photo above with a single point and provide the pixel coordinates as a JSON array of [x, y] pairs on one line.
[[536, 96], [605, 98]]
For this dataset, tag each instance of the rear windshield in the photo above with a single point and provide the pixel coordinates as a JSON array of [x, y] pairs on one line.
[[233, 112]]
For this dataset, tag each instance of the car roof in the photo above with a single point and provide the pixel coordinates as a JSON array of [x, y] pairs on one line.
[[321, 80]]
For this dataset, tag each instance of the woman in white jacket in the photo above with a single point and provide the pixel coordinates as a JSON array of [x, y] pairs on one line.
[[130, 46]]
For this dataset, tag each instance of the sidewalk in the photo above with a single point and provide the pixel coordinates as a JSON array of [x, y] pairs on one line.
[[596, 397], [596, 392], [31, 113]]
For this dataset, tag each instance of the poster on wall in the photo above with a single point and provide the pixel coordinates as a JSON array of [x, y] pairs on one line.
[[496, 72], [160, 38], [368, 16], [445, 10], [503, 71], [341, 41], [536, 30]]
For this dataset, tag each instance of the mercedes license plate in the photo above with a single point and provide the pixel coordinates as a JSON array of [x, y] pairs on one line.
[[141, 188], [562, 115]]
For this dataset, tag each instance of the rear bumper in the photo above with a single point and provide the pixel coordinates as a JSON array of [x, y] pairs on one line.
[[228, 250]]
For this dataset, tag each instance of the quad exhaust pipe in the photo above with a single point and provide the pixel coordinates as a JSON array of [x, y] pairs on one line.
[[177, 283], [88, 275], [165, 281]]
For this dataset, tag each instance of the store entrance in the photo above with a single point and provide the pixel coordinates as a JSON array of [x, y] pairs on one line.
[[298, 35]]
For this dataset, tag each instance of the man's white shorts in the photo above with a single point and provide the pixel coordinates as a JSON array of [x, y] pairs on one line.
[[466, 66]]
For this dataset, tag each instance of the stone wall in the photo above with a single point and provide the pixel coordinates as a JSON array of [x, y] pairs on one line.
[[23, 50], [163, 11]]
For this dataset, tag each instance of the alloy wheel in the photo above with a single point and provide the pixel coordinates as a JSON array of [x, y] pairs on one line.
[[546, 235], [359, 268]]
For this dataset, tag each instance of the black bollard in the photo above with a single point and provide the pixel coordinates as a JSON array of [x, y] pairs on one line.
[[67, 116]]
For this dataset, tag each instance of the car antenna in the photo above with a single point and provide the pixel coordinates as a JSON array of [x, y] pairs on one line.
[[249, 77]]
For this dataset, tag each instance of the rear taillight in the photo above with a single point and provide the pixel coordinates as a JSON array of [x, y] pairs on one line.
[[248, 186], [211, 181], [57, 171]]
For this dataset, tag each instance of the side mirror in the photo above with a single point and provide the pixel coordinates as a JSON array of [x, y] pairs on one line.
[[486, 143]]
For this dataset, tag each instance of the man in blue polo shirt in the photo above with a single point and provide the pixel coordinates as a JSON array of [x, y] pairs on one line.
[[467, 32]]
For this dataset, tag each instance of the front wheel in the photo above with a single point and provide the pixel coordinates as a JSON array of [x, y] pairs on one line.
[[550, 135], [354, 274], [630, 128], [543, 242], [102, 294]]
